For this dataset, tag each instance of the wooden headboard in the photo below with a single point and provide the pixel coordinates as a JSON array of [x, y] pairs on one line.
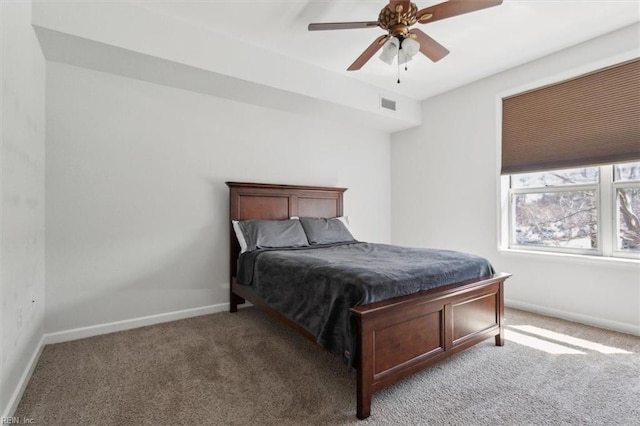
[[267, 201]]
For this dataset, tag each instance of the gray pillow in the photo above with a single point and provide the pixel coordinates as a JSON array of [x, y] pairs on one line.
[[325, 231], [273, 233]]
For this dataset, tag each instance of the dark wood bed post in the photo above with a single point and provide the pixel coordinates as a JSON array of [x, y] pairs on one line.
[[365, 369], [234, 250], [234, 301], [500, 319]]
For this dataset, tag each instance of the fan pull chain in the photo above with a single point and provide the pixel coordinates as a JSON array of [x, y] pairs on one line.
[[398, 68]]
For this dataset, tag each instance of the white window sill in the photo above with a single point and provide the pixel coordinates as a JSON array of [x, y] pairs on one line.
[[577, 258]]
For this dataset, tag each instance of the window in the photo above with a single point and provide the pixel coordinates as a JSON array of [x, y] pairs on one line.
[[588, 210], [626, 185], [553, 198]]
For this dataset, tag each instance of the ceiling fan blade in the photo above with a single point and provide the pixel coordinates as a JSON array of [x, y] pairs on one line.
[[453, 8], [368, 53], [429, 47], [342, 25]]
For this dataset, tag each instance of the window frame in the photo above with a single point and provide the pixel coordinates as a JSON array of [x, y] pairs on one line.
[[615, 221], [606, 212]]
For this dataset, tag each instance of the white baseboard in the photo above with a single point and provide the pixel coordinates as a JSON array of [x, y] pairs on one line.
[[24, 380], [571, 316], [112, 327]]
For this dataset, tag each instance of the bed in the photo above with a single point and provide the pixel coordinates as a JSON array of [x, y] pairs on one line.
[[392, 338]]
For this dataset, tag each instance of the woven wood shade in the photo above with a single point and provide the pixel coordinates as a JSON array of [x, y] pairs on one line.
[[590, 120]]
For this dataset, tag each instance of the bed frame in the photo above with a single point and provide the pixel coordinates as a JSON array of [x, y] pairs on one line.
[[396, 337]]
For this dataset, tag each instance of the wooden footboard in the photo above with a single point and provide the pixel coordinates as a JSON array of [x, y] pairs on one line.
[[398, 337]]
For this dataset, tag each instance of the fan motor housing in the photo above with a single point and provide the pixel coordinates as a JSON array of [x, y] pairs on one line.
[[388, 19]]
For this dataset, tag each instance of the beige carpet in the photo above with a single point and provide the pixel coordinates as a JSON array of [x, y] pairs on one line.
[[246, 369]]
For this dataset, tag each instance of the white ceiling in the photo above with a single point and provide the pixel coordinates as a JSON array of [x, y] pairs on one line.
[[481, 43]]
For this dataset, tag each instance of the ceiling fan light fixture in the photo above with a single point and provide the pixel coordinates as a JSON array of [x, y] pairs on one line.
[[410, 47], [390, 50], [403, 58], [404, 48]]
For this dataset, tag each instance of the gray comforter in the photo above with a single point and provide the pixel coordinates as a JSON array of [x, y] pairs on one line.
[[316, 286]]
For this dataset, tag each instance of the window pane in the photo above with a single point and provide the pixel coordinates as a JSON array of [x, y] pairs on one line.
[[556, 219], [628, 200], [585, 175], [626, 172]]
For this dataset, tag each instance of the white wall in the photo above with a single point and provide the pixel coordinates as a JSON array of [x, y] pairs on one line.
[[137, 208], [22, 259], [445, 194]]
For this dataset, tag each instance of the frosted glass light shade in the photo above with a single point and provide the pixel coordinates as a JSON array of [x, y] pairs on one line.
[[390, 50], [410, 47]]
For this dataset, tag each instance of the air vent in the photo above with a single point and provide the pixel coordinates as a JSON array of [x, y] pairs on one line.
[[388, 104]]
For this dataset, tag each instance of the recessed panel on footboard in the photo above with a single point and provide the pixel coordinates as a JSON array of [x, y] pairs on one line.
[[408, 340], [474, 316]]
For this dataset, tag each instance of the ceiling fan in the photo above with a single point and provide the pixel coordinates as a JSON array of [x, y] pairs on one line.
[[396, 18]]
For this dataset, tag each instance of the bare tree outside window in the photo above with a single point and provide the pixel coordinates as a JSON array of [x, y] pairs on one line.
[[554, 209], [561, 209], [557, 219], [628, 206]]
